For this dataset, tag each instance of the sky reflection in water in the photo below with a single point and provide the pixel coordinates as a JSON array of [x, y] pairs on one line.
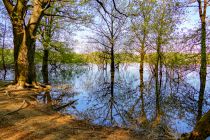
[[91, 86]]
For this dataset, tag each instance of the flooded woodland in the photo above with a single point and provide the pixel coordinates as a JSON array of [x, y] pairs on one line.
[[125, 97], [105, 69]]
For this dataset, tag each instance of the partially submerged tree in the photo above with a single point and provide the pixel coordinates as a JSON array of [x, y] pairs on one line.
[[165, 20], [140, 28], [3, 38], [202, 5], [108, 37], [55, 25]]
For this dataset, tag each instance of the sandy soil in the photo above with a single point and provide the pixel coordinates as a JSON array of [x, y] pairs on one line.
[[23, 118]]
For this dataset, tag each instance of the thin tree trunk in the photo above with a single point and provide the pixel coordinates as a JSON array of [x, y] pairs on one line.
[[112, 75], [2, 54], [45, 66], [112, 59], [202, 71], [202, 13], [141, 72], [157, 86], [112, 94]]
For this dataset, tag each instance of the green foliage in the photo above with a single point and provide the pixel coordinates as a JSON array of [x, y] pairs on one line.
[[67, 56], [62, 56], [174, 59], [99, 58], [8, 57]]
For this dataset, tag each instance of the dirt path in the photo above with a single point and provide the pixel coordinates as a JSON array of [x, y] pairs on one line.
[[23, 118]]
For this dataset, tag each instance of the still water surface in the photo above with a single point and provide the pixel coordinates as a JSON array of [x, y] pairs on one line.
[[117, 102]]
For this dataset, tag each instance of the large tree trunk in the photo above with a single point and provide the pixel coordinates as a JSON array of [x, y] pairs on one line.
[[25, 37], [18, 38], [24, 53], [31, 56]]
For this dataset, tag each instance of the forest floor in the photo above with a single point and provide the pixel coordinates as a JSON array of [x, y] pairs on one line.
[[24, 118]]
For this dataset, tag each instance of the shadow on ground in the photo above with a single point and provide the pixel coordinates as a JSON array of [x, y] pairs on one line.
[[22, 118]]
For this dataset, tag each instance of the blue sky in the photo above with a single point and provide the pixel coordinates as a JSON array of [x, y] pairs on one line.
[[191, 21]]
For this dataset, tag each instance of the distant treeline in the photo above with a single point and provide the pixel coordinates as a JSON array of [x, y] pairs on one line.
[[171, 59]]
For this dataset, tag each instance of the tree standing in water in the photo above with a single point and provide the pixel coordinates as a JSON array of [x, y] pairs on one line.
[[3, 48], [202, 14], [140, 28], [108, 37], [165, 20]]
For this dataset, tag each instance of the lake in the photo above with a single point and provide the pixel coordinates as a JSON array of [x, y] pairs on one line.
[[114, 99]]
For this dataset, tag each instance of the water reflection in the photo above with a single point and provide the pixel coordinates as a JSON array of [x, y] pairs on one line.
[[47, 98], [127, 97]]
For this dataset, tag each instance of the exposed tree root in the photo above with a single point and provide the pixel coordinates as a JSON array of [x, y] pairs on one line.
[[64, 106], [19, 108], [22, 86]]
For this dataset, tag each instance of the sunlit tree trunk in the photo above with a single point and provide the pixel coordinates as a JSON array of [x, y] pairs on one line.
[[25, 68], [24, 38]]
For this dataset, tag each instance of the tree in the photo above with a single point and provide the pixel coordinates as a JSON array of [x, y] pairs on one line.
[[54, 25], [140, 28], [25, 36], [4, 30], [25, 17], [108, 37], [164, 20], [202, 6]]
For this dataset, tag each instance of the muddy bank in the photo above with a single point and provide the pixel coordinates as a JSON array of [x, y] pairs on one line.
[[23, 117]]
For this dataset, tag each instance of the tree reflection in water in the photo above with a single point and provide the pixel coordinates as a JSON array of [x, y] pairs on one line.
[[127, 97]]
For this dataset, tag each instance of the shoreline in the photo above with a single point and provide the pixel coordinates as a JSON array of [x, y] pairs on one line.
[[23, 117]]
